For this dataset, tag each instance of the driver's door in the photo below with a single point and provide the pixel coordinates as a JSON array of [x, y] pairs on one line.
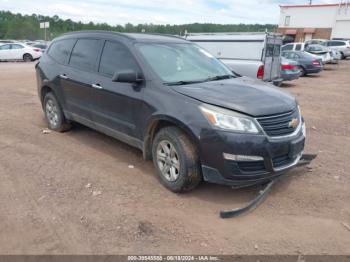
[[116, 107]]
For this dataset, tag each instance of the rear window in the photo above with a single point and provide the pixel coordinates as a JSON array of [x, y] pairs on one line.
[[336, 43], [307, 55], [60, 50], [84, 54]]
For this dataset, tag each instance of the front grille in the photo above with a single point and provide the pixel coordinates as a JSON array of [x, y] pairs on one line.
[[278, 125]]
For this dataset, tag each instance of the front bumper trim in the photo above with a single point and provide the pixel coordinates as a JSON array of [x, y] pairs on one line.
[[294, 163]]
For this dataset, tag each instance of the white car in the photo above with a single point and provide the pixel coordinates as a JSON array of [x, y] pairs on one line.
[[343, 46], [19, 51]]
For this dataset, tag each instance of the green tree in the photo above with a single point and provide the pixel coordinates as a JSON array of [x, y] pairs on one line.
[[18, 26]]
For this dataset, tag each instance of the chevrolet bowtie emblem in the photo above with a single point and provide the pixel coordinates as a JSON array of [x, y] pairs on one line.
[[293, 123]]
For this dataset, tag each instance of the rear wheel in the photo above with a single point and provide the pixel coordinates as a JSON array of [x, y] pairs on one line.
[[27, 58], [54, 114], [176, 160], [302, 71]]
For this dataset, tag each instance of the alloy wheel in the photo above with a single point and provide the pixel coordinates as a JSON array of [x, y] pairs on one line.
[[51, 112], [168, 160]]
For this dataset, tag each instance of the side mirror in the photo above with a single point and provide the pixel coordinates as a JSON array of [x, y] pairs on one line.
[[127, 76]]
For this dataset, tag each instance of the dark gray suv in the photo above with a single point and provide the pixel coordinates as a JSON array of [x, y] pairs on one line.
[[174, 101]]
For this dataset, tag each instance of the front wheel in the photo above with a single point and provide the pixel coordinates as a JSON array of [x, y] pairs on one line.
[[54, 114], [176, 160]]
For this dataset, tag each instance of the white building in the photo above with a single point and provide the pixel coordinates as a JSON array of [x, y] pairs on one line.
[[303, 22]]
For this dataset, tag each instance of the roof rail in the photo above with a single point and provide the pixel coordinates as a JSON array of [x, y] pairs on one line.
[[167, 35], [97, 31], [228, 33]]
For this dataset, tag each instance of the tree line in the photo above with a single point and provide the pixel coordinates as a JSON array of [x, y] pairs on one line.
[[18, 26]]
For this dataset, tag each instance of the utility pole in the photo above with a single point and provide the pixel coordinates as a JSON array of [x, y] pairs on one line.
[[310, 2]]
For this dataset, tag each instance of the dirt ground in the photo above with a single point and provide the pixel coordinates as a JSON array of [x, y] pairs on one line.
[[74, 193]]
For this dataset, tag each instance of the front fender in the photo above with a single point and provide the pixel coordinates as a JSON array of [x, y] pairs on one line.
[[156, 122]]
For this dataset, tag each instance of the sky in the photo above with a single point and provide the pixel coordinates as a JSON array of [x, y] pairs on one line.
[[157, 11]]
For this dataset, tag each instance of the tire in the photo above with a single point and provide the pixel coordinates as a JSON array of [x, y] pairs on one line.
[[342, 56], [302, 71], [27, 58], [184, 168], [54, 114]]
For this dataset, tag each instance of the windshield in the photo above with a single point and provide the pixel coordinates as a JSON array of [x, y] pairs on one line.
[[183, 62]]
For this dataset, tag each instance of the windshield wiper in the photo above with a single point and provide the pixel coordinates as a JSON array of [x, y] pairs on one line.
[[220, 77], [182, 82], [214, 78]]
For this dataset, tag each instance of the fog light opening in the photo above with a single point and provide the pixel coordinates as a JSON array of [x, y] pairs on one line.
[[242, 157]]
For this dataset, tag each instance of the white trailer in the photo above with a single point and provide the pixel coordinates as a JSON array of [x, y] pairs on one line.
[[256, 55]]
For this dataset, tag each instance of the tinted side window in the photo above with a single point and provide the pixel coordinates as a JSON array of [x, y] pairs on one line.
[[60, 50], [298, 47], [17, 46], [5, 47], [84, 54], [116, 57], [337, 43]]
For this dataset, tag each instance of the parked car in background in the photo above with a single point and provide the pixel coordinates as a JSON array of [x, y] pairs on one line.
[[30, 43], [290, 69], [19, 51], [6, 41], [41, 46], [316, 50], [174, 101], [321, 51], [342, 46], [308, 64], [256, 55], [315, 42], [336, 56]]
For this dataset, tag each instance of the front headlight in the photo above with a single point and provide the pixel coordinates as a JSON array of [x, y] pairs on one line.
[[229, 120]]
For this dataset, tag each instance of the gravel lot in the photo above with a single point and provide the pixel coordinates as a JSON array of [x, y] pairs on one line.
[[75, 193]]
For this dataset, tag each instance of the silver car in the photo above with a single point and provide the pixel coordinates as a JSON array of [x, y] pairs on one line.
[[343, 46]]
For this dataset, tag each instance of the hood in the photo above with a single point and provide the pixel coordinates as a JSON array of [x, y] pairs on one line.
[[242, 94]]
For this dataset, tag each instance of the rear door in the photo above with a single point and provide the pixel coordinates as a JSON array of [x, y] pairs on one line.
[[272, 58], [76, 78], [116, 106], [17, 51]]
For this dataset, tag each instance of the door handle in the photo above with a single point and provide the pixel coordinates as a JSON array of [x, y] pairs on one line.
[[64, 76], [97, 86]]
